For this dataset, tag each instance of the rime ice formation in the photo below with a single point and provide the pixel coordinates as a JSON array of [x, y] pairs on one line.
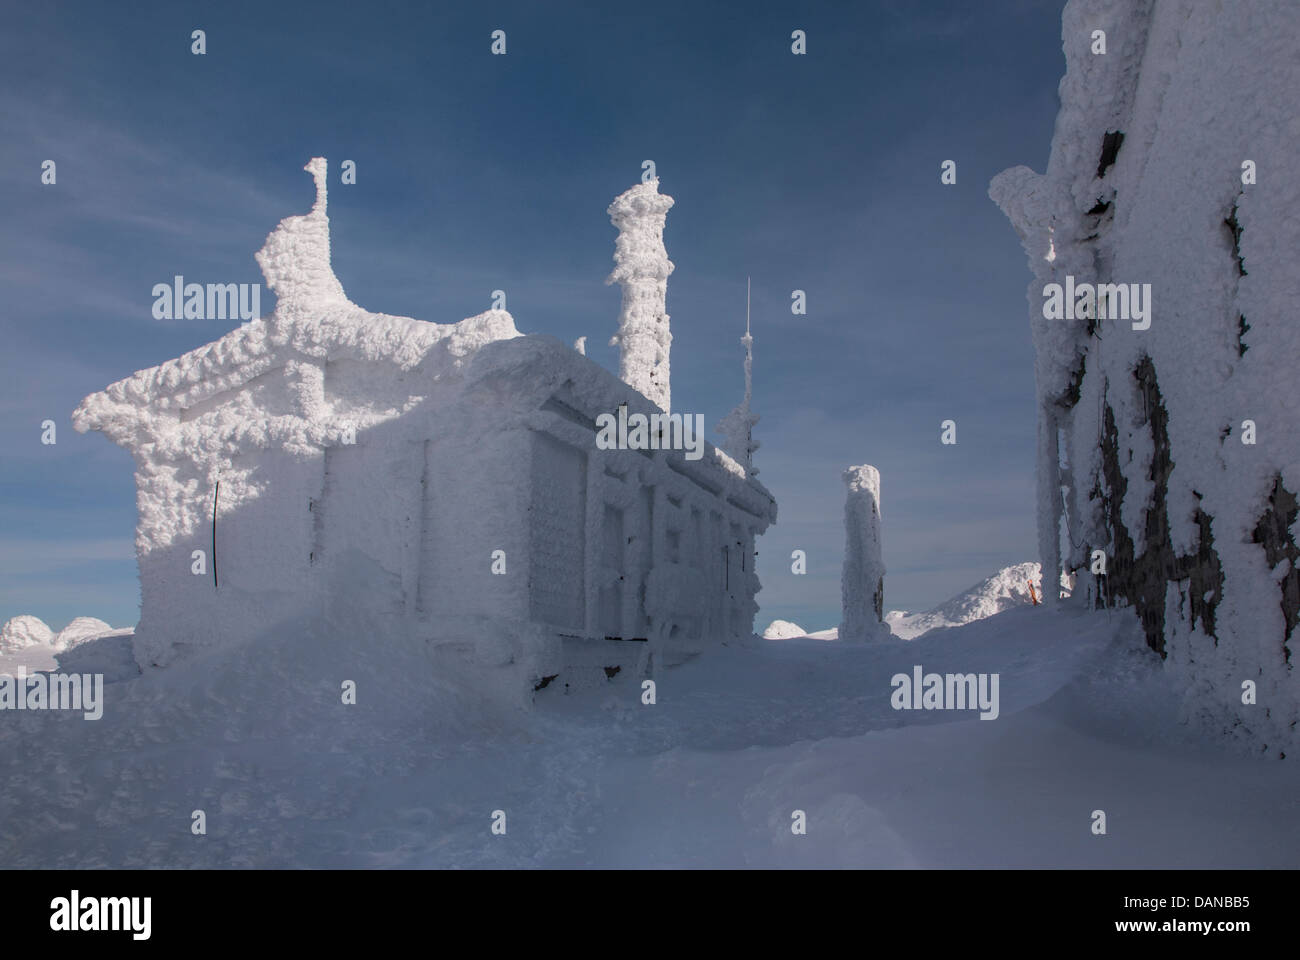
[[641, 269], [24, 631], [274, 372], [79, 631], [1140, 451], [862, 583], [439, 483], [783, 630], [737, 427]]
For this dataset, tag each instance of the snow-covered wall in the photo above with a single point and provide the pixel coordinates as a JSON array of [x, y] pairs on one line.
[[1170, 443], [862, 582]]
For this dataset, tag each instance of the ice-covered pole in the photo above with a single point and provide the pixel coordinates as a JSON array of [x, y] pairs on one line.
[[862, 584], [641, 269]]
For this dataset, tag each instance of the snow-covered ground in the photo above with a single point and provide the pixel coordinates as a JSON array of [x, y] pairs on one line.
[[708, 776]]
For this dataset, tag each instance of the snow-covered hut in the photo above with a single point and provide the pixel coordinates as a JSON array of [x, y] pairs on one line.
[[444, 481]]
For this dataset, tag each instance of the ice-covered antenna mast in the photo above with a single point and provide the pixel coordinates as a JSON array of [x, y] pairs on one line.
[[748, 341], [737, 427]]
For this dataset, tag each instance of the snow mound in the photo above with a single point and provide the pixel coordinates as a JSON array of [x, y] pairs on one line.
[[22, 632], [783, 630], [1007, 588], [79, 631], [110, 655]]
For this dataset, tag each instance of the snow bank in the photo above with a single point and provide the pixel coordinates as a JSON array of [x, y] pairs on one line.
[[783, 630], [111, 655], [1140, 444]]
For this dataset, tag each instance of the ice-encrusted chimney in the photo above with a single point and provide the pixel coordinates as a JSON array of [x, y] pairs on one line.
[[641, 269], [862, 584]]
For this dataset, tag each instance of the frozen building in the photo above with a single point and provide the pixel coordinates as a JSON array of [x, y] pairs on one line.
[[442, 480], [1163, 239]]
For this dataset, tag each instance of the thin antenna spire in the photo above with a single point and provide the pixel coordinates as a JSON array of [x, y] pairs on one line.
[[747, 306], [738, 426]]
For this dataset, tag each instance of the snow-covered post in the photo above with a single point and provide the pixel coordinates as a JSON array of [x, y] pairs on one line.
[[642, 268], [862, 584]]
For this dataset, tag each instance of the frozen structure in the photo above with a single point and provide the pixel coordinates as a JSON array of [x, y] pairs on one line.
[[862, 582], [440, 481], [641, 269], [1169, 446], [737, 427]]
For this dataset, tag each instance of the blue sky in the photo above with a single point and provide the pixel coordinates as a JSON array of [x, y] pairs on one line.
[[477, 172]]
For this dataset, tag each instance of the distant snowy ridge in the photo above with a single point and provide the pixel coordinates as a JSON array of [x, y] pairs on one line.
[[28, 642], [1007, 588], [24, 632]]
